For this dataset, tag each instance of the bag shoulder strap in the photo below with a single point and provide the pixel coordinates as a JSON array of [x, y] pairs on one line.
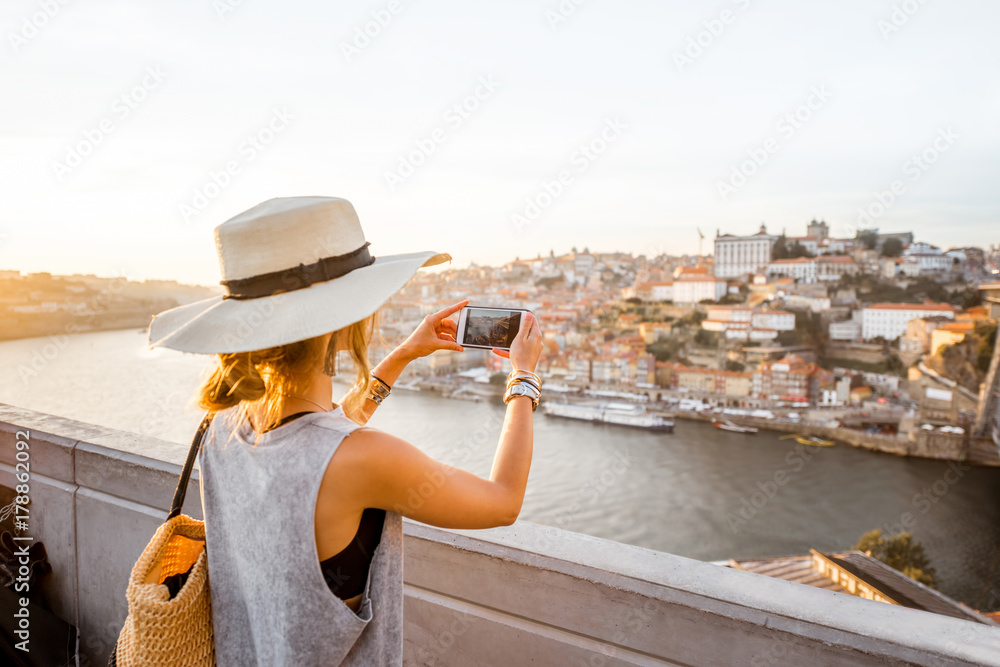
[[182, 484]]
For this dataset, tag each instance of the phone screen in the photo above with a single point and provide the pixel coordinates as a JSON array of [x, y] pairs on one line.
[[491, 327]]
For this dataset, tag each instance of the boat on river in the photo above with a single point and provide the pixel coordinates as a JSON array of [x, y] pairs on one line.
[[619, 414], [813, 441], [727, 425]]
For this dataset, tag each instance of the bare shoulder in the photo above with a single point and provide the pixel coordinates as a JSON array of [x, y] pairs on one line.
[[366, 460], [370, 455], [367, 447], [375, 469]]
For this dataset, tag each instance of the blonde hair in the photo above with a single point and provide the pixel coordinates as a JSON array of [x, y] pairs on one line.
[[266, 377]]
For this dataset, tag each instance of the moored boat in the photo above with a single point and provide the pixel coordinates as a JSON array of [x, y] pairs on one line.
[[727, 425], [619, 414], [813, 441]]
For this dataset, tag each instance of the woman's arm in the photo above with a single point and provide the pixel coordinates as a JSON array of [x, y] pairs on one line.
[[375, 469], [435, 332], [388, 370]]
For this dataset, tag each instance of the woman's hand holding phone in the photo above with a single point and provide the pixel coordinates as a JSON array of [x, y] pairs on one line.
[[436, 332], [527, 345]]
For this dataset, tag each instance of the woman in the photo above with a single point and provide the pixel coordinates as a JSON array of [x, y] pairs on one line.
[[302, 503]]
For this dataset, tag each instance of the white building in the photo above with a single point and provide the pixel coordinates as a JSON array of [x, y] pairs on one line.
[[742, 323], [779, 320], [696, 289], [728, 314], [809, 243], [837, 246], [802, 269], [661, 291], [812, 269], [889, 320], [834, 267], [650, 291], [748, 333], [847, 329], [816, 304], [929, 258], [736, 256]]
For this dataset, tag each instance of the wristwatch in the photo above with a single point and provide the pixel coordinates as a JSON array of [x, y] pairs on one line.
[[521, 389]]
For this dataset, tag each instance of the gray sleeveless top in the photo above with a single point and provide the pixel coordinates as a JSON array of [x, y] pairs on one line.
[[270, 602]]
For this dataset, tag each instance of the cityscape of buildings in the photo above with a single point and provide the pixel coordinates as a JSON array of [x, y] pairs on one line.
[[880, 324], [884, 332]]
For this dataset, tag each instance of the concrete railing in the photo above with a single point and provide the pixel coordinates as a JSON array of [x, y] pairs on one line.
[[526, 594]]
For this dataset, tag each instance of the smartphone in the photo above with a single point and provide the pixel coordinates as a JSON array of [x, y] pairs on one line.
[[484, 327]]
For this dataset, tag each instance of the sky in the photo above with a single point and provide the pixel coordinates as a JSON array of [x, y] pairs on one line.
[[130, 130]]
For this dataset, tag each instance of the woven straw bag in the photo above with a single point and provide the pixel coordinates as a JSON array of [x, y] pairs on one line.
[[159, 630]]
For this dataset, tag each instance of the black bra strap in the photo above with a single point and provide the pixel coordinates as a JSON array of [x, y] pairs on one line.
[[182, 484]]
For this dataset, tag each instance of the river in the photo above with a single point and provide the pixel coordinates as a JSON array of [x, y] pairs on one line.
[[682, 492]]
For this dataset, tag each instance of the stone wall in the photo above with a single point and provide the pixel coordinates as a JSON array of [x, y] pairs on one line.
[[524, 594]]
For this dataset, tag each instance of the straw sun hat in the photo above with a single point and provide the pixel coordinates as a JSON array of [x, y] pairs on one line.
[[293, 268]]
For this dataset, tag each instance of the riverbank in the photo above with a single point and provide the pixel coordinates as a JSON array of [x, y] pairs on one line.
[[938, 446], [12, 328], [921, 444]]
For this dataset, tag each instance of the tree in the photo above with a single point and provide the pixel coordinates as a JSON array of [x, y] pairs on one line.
[[665, 349], [868, 238], [735, 366], [694, 318], [706, 338], [892, 247], [797, 250], [900, 552], [894, 365], [498, 378], [987, 334], [550, 281], [780, 248]]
